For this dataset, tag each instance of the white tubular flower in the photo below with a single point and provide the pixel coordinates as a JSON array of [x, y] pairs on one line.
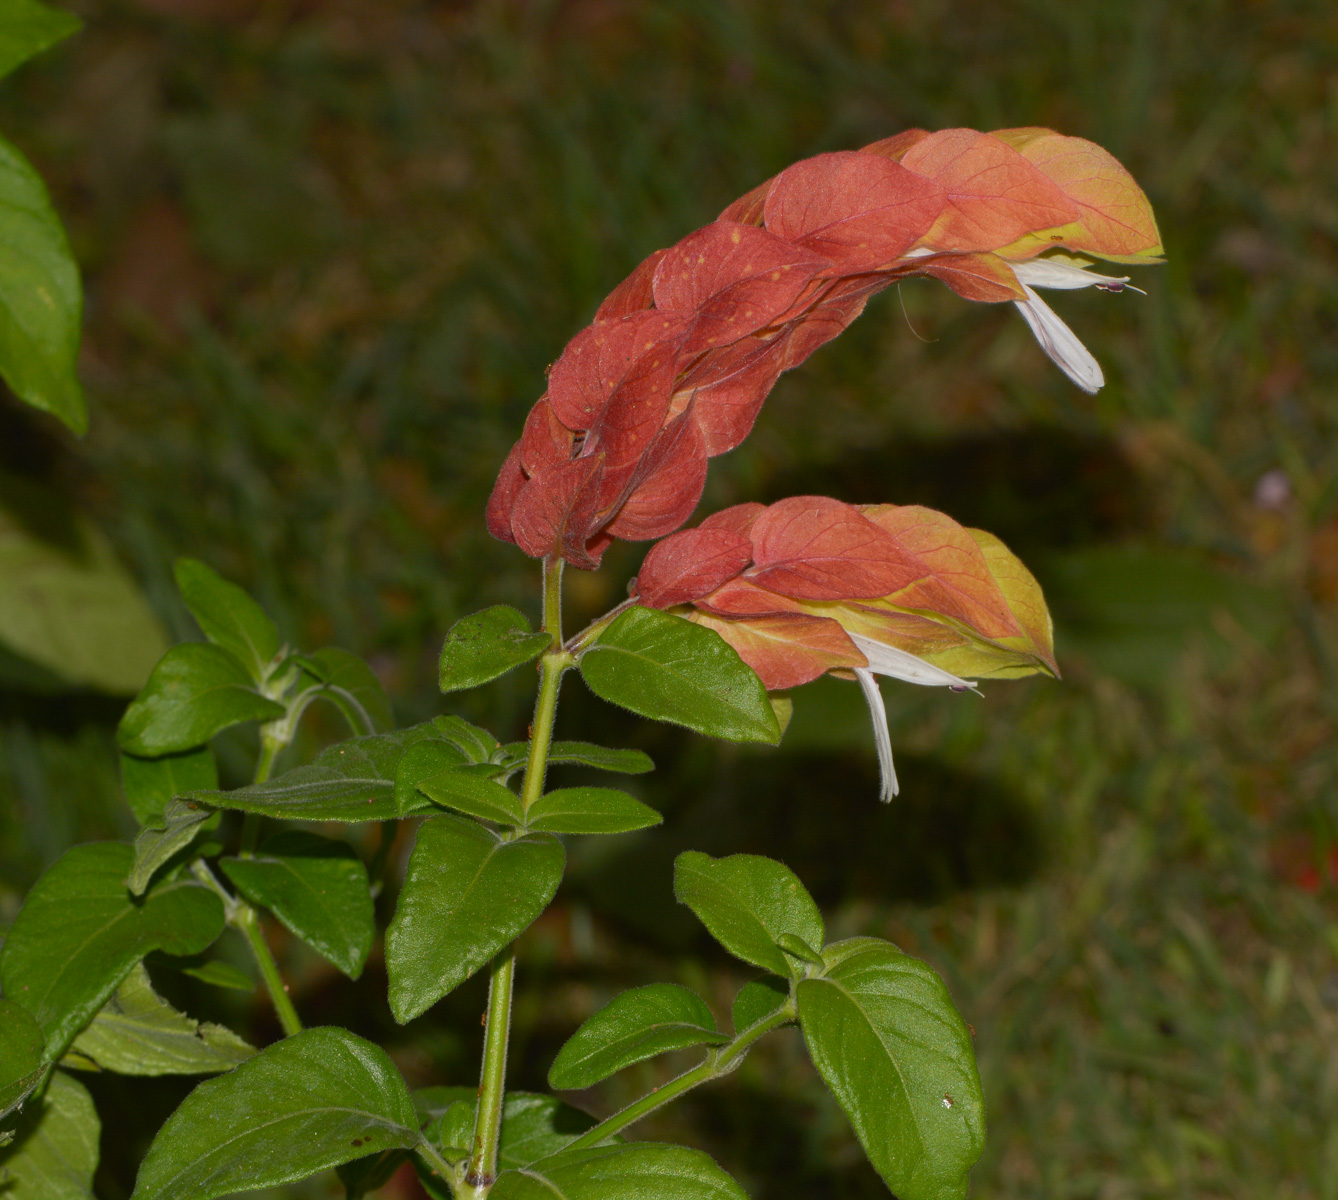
[[896, 664], [1058, 341]]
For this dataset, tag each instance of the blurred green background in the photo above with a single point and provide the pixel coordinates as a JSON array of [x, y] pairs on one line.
[[330, 246]]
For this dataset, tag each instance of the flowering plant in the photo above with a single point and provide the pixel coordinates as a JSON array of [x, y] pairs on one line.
[[721, 618]]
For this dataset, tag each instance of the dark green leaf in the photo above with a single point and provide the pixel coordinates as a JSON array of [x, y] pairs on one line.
[[487, 644], [353, 688], [663, 667], [477, 745], [318, 888], [212, 971], [757, 1000], [310, 1102], [421, 762], [149, 783], [468, 893], [799, 948], [79, 933], [229, 617], [349, 781], [363, 1176], [590, 810], [67, 605], [196, 690], [55, 1151], [884, 1035], [182, 821], [632, 1027], [603, 758], [21, 1060], [635, 1171], [747, 902], [41, 302], [474, 795], [139, 1033], [28, 28]]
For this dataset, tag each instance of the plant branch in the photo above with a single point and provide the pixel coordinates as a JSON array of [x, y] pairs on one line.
[[248, 923], [718, 1063], [482, 1170]]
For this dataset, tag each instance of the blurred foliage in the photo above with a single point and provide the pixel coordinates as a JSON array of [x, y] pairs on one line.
[[330, 246]]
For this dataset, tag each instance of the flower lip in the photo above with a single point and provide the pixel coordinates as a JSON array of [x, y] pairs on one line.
[[1060, 343]]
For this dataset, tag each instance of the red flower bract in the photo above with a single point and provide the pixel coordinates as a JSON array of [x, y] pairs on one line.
[[681, 355]]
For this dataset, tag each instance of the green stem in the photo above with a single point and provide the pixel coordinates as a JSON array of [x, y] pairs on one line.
[[482, 1170], [248, 923], [269, 751], [718, 1063]]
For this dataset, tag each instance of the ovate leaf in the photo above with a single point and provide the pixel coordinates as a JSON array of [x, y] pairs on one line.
[[66, 604], [635, 1171], [21, 1060], [468, 893], [317, 888], [478, 745], [181, 822], [352, 687], [757, 1000], [603, 758], [138, 1033], [80, 931], [55, 1150], [590, 810], [474, 795], [533, 1125], [747, 902], [487, 644], [228, 616], [41, 302], [349, 781], [149, 783], [634, 1026], [884, 1035], [28, 28], [196, 690], [308, 1103], [663, 667]]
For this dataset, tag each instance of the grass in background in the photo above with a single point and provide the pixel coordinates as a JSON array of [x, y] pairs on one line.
[[330, 247]]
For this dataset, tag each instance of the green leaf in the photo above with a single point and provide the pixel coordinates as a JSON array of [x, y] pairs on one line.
[[55, 1151], [354, 780], [602, 758], [635, 1171], [195, 691], [663, 667], [138, 1033], [590, 810], [363, 1176], [212, 971], [799, 948], [884, 1035], [28, 28], [67, 606], [468, 893], [22, 1064], [41, 302], [487, 644], [352, 687], [747, 902], [757, 1000], [421, 762], [79, 933], [477, 745], [474, 795], [181, 823], [149, 783], [228, 616], [317, 888], [312, 1101], [632, 1027]]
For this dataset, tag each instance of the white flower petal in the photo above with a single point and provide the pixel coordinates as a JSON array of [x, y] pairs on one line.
[[1046, 273], [898, 664], [881, 735], [1061, 343]]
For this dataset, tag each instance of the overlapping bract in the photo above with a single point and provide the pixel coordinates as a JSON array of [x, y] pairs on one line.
[[682, 354], [810, 585]]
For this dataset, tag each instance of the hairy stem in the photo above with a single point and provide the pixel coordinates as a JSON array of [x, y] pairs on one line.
[[719, 1062], [482, 1169]]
